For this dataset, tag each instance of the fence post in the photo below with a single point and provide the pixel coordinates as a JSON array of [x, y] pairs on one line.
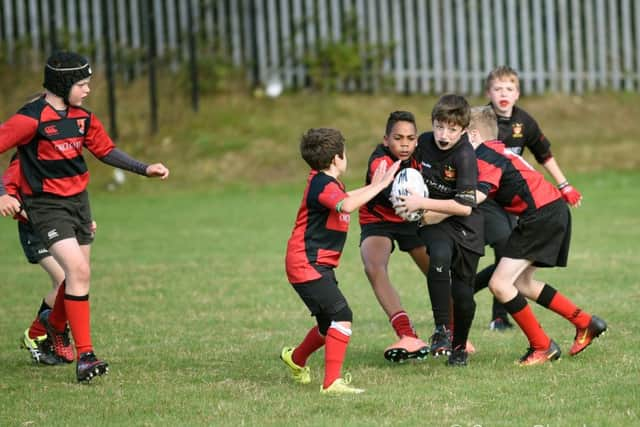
[[53, 42], [108, 62], [149, 32], [193, 59]]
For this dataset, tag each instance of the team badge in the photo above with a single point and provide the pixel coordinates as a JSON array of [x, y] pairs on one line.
[[81, 123], [517, 130], [449, 173]]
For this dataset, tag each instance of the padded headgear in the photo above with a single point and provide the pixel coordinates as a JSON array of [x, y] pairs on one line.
[[63, 70]]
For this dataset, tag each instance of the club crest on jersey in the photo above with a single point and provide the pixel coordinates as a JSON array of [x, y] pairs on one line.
[[450, 173], [517, 130], [80, 123]]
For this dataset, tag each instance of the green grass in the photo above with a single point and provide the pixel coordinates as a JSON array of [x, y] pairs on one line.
[[191, 306]]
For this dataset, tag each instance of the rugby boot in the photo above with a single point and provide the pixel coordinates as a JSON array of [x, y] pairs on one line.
[[500, 324], [585, 336], [538, 357], [406, 348], [440, 342], [300, 374], [40, 349], [89, 367], [60, 340], [341, 386], [458, 356]]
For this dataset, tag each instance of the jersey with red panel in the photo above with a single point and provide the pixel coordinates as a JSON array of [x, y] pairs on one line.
[[11, 182], [320, 230], [50, 147], [511, 181], [380, 209], [521, 130], [452, 174]]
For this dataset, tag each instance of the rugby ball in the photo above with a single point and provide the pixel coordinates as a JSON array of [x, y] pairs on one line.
[[406, 179]]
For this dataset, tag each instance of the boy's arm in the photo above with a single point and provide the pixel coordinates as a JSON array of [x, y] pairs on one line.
[[17, 130], [569, 193], [480, 196], [382, 177], [119, 159], [541, 149], [414, 202], [431, 218]]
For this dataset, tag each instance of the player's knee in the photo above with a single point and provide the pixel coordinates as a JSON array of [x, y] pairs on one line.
[[323, 325], [79, 273], [439, 255], [343, 315], [374, 269]]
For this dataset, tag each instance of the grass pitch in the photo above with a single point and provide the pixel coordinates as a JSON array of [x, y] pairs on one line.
[[191, 307]]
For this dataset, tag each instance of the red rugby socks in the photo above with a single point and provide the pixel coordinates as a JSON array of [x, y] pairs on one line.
[[310, 344]]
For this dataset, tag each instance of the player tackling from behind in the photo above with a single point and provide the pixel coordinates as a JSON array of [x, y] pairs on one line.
[[50, 134], [517, 130], [313, 252], [540, 239]]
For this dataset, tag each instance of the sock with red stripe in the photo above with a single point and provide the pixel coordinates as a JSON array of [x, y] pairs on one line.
[[309, 344], [79, 314], [553, 300], [524, 317], [37, 329], [58, 316], [401, 323], [335, 350]]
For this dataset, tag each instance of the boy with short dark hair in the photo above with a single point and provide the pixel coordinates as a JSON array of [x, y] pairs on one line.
[[313, 252], [517, 130], [541, 239], [381, 229], [454, 240]]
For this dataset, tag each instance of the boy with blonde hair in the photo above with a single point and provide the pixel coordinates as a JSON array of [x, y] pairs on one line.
[[517, 130], [540, 239]]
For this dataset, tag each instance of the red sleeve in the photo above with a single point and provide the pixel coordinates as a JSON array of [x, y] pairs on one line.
[[11, 178], [98, 141], [488, 177], [18, 130], [331, 196]]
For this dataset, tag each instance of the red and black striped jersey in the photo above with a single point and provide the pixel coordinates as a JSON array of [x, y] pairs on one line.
[[380, 209], [511, 181], [320, 230], [521, 130], [50, 147]]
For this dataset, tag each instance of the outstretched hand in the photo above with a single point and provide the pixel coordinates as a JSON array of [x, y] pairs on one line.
[[157, 170], [383, 175]]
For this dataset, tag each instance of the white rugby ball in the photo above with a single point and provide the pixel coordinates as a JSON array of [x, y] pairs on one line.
[[406, 179]]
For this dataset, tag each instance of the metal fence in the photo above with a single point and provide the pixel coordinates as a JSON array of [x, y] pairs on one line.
[[415, 46]]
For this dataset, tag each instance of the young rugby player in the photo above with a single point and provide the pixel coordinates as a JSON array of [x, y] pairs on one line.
[[454, 238], [50, 134], [540, 239], [381, 228], [34, 338], [517, 130], [313, 252]]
